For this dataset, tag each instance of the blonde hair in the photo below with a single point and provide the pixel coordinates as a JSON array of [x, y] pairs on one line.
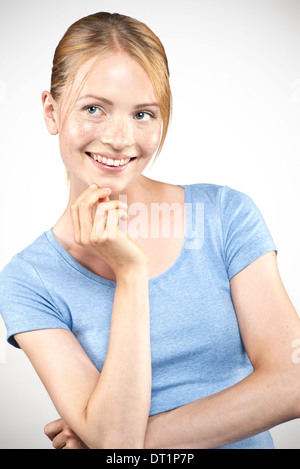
[[103, 33]]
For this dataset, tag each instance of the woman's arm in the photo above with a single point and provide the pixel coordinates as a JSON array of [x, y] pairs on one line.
[[252, 406], [110, 410], [269, 396], [118, 409]]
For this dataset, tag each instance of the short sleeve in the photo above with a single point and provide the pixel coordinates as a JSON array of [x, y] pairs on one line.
[[246, 236], [25, 304]]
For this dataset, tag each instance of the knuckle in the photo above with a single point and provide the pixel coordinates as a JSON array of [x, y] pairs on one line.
[[95, 238], [101, 209], [106, 206], [106, 237], [71, 445], [77, 238], [85, 239], [68, 433]]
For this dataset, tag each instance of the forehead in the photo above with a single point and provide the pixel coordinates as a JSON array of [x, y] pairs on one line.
[[116, 76]]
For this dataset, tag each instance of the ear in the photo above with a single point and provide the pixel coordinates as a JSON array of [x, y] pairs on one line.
[[50, 112]]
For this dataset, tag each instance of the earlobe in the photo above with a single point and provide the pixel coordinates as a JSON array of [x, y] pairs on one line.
[[50, 114]]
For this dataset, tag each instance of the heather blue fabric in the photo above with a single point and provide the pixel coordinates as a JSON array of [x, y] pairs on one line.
[[196, 345]]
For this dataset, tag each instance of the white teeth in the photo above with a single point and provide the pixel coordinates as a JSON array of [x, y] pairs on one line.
[[109, 161]]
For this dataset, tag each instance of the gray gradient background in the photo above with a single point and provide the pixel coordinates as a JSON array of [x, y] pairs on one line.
[[235, 76]]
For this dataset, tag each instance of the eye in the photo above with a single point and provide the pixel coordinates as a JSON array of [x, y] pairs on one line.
[[92, 109], [143, 116]]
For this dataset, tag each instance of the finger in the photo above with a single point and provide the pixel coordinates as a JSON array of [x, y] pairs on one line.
[[104, 207], [53, 428], [111, 204], [59, 441], [101, 217], [82, 210], [89, 198], [112, 227], [75, 443], [111, 223], [123, 222], [93, 190], [123, 214], [101, 214], [64, 437]]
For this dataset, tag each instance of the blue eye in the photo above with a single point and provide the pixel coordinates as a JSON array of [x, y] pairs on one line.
[[140, 116], [92, 109]]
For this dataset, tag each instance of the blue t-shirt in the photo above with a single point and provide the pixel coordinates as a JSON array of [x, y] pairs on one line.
[[196, 346]]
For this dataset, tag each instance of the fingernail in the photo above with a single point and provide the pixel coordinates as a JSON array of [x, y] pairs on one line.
[[93, 186]]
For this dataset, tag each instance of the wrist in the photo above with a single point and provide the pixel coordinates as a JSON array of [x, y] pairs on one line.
[[157, 430], [132, 272]]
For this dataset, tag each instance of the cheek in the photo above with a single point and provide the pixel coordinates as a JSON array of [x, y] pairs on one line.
[[149, 140], [74, 136]]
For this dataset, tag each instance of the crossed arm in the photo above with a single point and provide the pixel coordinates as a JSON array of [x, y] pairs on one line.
[[269, 326], [111, 409]]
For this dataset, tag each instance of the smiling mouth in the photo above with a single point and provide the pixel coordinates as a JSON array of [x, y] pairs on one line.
[[110, 162]]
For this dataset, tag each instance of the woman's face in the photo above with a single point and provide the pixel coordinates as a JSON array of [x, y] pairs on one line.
[[114, 127]]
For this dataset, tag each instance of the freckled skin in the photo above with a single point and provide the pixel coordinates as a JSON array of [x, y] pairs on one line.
[[123, 127], [114, 129]]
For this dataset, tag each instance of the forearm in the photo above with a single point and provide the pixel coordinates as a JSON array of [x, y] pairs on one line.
[[257, 403], [118, 409]]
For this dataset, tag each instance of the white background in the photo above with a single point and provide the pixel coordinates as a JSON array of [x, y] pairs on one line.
[[235, 76]]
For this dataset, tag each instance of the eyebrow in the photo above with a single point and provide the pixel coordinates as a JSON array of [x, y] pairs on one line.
[[110, 103]]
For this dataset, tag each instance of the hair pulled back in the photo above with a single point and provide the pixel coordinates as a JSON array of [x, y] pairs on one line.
[[103, 33]]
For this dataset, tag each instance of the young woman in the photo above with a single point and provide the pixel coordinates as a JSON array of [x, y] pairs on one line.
[[153, 313]]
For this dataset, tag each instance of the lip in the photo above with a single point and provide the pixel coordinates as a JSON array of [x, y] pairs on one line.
[[109, 169]]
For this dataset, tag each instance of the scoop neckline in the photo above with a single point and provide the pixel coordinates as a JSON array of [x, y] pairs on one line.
[[112, 283]]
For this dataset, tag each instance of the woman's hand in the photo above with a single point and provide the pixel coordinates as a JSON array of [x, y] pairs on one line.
[[96, 227], [62, 436]]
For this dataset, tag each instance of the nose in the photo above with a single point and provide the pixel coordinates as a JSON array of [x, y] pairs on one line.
[[117, 133]]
